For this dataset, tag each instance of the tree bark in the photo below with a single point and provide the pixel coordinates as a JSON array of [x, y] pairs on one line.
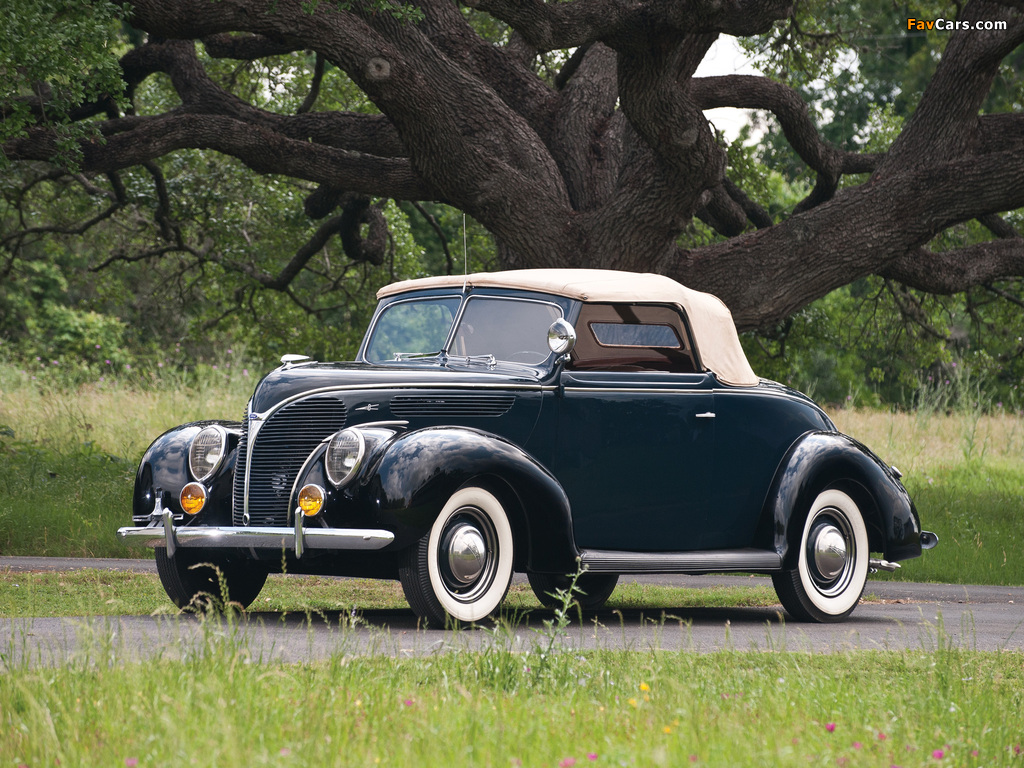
[[604, 165]]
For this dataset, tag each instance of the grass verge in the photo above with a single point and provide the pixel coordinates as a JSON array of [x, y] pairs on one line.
[[92, 592], [545, 706]]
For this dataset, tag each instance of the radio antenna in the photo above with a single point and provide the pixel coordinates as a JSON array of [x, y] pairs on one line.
[[465, 255]]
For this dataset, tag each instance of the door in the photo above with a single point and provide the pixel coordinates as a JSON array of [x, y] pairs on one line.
[[634, 454]]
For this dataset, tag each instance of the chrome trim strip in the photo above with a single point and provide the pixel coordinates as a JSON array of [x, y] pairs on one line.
[[640, 391], [294, 495], [252, 427], [262, 417], [263, 537], [606, 561]]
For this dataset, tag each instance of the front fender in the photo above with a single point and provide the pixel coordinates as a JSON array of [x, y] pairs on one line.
[[420, 470], [164, 468], [820, 460]]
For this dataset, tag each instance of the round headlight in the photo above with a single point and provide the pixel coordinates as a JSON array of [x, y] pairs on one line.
[[193, 498], [207, 451], [311, 499], [344, 456]]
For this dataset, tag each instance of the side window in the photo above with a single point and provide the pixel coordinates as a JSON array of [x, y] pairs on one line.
[[508, 329], [630, 337]]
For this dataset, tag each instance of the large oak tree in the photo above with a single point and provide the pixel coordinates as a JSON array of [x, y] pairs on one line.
[[603, 163]]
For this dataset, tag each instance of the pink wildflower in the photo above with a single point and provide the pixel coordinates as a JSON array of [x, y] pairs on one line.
[[938, 754], [567, 762], [591, 756], [830, 727], [131, 762], [857, 745]]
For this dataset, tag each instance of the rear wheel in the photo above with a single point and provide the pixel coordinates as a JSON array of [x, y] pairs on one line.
[[195, 579], [832, 563], [461, 569], [592, 589]]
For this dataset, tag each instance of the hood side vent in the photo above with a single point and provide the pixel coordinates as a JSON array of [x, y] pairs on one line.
[[449, 405]]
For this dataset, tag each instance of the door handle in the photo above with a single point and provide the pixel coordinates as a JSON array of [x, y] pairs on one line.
[[706, 415]]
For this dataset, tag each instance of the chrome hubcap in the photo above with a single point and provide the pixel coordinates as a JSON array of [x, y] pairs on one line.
[[829, 549], [467, 553], [831, 552]]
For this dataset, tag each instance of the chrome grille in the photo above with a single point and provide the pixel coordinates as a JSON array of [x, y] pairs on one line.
[[279, 450], [445, 405]]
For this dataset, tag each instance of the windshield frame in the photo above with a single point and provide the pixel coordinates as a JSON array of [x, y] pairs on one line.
[[444, 355]]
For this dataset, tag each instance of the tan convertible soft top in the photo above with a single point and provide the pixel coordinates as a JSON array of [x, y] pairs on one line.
[[714, 331]]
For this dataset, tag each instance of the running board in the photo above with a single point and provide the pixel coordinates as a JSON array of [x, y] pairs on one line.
[[711, 561]]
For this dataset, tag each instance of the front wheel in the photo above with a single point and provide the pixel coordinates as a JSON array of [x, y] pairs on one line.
[[462, 568], [832, 563], [195, 580]]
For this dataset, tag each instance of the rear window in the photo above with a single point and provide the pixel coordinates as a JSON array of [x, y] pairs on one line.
[[633, 337]]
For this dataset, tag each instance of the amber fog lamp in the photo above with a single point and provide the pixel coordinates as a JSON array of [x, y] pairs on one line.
[[193, 498], [311, 500]]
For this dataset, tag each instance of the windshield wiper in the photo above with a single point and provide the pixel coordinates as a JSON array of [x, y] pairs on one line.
[[399, 356]]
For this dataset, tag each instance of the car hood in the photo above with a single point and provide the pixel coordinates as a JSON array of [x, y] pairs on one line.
[[290, 381]]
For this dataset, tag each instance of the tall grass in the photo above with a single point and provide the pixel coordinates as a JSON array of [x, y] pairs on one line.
[[965, 472], [68, 455], [218, 705]]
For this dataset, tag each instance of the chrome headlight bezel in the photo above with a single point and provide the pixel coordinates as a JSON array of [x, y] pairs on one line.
[[211, 439], [344, 456]]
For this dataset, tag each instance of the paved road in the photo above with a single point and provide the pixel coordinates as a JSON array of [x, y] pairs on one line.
[[905, 615]]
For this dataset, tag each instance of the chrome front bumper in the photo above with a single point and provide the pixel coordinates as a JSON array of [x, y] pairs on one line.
[[162, 532]]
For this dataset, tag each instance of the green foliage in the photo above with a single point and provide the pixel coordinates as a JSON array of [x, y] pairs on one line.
[[65, 50], [877, 343]]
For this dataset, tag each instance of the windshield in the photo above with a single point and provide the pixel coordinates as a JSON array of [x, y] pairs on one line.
[[489, 329], [412, 329]]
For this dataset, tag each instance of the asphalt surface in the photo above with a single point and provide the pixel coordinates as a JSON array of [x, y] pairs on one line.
[[895, 616]]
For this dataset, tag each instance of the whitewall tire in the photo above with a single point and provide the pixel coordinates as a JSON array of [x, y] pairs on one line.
[[461, 569], [832, 562]]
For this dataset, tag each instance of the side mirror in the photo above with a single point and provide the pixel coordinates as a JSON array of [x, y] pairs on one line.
[[561, 337]]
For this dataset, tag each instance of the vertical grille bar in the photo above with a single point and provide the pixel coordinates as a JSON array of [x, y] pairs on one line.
[[238, 487]]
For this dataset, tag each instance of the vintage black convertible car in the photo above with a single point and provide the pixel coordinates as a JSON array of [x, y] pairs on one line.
[[543, 421]]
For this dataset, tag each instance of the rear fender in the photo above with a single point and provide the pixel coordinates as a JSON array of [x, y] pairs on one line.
[[821, 460], [420, 470]]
